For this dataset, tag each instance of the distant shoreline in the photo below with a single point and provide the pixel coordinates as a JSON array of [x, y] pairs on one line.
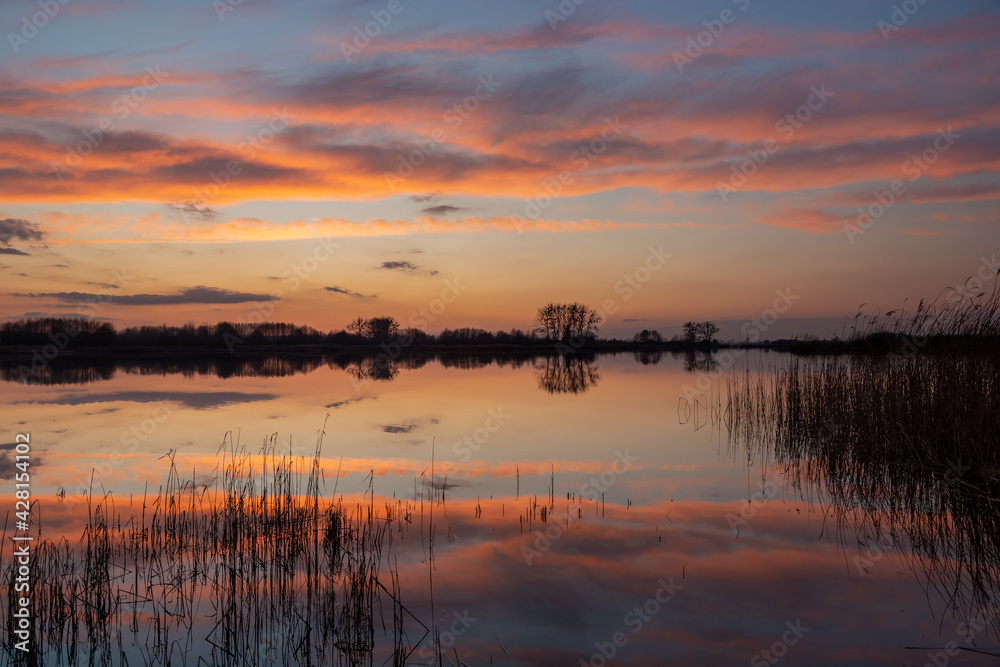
[[871, 344]]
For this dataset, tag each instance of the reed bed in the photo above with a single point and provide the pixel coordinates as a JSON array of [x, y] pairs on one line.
[[252, 568], [904, 440]]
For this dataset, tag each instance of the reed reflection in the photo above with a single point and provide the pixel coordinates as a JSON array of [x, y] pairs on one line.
[[906, 449]]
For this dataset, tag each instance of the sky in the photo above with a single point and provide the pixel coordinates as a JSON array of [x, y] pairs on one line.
[[454, 164]]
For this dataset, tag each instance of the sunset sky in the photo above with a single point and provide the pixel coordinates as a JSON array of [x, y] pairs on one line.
[[660, 161]]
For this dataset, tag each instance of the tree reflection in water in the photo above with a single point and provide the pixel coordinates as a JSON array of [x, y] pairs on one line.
[[567, 374], [648, 357], [697, 361], [380, 368]]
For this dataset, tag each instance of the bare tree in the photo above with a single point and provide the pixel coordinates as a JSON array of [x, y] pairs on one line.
[[357, 326], [563, 321], [707, 331], [381, 329], [648, 336], [691, 332], [700, 332]]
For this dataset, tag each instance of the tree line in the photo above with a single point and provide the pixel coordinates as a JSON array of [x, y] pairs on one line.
[[574, 324]]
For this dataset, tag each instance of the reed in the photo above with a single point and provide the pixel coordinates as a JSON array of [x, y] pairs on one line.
[[904, 443], [252, 568]]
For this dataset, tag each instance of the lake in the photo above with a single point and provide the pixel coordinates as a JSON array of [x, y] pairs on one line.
[[584, 512]]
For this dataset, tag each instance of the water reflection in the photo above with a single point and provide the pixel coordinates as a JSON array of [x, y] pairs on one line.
[[379, 368], [523, 499], [80, 370], [362, 367], [697, 361], [648, 357], [567, 374], [908, 471]]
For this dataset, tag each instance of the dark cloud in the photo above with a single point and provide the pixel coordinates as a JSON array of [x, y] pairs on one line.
[[423, 199], [401, 266], [443, 209], [406, 267], [11, 251], [347, 292], [59, 266], [195, 210], [17, 229], [196, 168], [130, 142], [104, 285], [635, 319], [199, 294]]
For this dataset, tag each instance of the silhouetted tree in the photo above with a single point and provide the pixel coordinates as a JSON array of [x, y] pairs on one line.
[[415, 335], [357, 326], [466, 335], [707, 331], [691, 332], [700, 332], [381, 329], [648, 336], [563, 321]]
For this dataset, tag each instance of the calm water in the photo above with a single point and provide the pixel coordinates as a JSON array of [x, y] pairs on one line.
[[660, 544]]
